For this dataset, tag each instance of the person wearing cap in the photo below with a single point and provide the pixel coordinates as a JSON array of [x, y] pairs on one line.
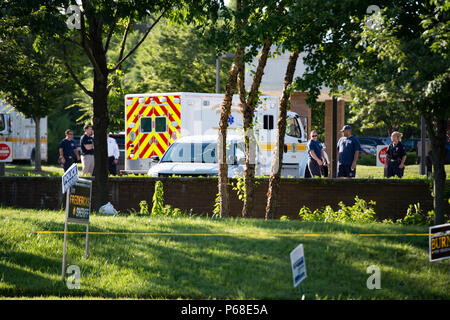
[[395, 156], [68, 152], [315, 155], [349, 149]]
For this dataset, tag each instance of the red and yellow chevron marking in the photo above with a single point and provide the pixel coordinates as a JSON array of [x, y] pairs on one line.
[[132, 117], [174, 116], [153, 143]]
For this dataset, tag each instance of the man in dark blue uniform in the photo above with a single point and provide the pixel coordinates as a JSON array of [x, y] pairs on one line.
[[348, 148], [315, 155], [395, 156], [68, 152]]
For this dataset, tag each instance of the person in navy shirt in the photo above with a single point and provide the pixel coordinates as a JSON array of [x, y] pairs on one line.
[[395, 156], [348, 148], [68, 152], [314, 150]]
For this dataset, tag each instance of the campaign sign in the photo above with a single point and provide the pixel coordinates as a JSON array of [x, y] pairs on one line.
[[439, 242], [381, 155], [6, 152], [298, 265], [80, 202], [70, 177]]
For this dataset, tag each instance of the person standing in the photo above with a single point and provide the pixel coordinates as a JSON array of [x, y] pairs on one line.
[[315, 155], [349, 149], [68, 152], [395, 156], [113, 155], [87, 151]]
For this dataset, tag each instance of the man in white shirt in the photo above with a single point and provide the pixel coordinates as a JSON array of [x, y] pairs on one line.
[[113, 155]]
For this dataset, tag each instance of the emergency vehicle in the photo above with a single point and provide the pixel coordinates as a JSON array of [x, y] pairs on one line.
[[153, 121], [18, 130]]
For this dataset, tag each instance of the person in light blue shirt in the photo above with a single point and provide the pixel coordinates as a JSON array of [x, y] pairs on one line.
[[314, 150], [349, 149]]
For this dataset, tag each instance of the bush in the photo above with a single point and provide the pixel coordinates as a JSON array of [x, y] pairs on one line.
[[360, 212], [411, 158], [414, 216], [367, 160], [158, 199]]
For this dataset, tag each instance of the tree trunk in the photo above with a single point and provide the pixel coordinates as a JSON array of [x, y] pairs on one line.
[[221, 141], [37, 144], [274, 180], [438, 135], [101, 118], [249, 140]]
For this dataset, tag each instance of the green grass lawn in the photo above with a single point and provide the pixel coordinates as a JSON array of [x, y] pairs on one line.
[[201, 258]]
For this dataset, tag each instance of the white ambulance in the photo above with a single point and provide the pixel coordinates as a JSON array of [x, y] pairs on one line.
[[18, 130], [153, 121]]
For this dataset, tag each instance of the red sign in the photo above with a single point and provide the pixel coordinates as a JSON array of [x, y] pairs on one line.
[[5, 151], [381, 155]]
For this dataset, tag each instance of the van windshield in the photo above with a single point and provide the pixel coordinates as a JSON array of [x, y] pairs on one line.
[[192, 152], [2, 122]]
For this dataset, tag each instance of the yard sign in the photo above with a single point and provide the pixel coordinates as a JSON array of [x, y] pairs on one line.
[[298, 265], [439, 242], [78, 210]]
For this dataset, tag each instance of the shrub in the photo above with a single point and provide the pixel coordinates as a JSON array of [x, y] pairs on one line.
[[144, 208], [158, 199], [360, 212], [414, 215], [411, 158], [367, 160]]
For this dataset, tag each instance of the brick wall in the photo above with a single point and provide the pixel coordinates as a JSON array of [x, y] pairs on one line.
[[392, 196]]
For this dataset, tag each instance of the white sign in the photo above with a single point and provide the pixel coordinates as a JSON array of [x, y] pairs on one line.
[[298, 265], [70, 177], [6, 151], [381, 155]]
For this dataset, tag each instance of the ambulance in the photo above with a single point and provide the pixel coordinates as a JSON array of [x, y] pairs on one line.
[[153, 121], [20, 131]]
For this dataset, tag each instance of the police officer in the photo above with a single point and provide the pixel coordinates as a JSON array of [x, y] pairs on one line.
[[395, 156], [315, 155], [68, 152]]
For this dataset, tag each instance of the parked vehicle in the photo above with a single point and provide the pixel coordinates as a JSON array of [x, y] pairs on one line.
[[155, 120], [367, 141], [368, 149], [197, 156], [381, 140], [20, 131], [411, 144]]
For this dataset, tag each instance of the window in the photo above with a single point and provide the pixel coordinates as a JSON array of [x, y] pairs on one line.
[[2, 122], [268, 122], [292, 128], [146, 124], [160, 124]]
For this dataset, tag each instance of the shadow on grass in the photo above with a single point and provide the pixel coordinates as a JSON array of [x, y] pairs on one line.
[[234, 266], [28, 274]]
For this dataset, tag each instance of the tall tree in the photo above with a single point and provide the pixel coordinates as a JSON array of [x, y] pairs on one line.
[[410, 38], [91, 25], [277, 162]]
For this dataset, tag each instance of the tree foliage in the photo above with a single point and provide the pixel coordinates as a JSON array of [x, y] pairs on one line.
[[405, 62], [32, 77]]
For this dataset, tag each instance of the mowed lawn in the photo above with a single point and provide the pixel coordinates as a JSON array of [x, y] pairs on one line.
[[201, 258]]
